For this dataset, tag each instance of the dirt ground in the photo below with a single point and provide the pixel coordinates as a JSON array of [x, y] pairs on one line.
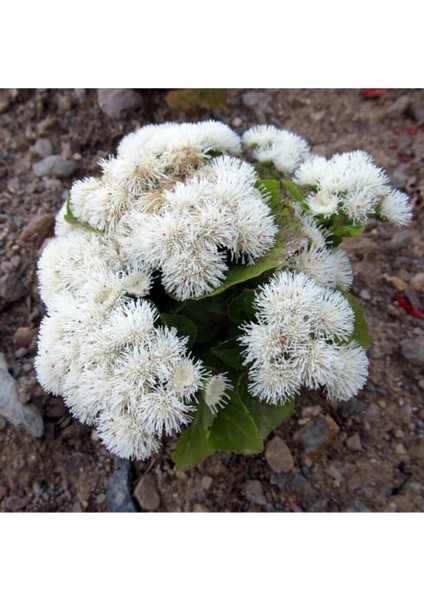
[[371, 460]]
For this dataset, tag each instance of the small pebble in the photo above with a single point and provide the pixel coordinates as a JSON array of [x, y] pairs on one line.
[[417, 282], [55, 166], [254, 492], [146, 493], [15, 503], [400, 450], [23, 336], [206, 482], [12, 288], [354, 443], [200, 508], [278, 456]]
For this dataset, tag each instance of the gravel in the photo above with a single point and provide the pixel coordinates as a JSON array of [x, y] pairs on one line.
[[413, 350]]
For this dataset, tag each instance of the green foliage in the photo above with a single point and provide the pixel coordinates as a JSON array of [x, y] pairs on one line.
[[267, 417], [288, 239], [361, 333], [193, 444], [229, 352], [293, 190], [234, 430], [241, 427], [241, 308], [271, 189]]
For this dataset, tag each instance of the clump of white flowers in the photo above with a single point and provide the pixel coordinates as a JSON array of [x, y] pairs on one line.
[[184, 266]]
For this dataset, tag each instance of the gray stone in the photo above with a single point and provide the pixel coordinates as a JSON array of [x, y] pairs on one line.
[[316, 436], [118, 497], [55, 166], [254, 493], [278, 456], [114, 102], [2, 423], [42, 147], [11, 408], [146, 493], [11, 288], [413, 351]]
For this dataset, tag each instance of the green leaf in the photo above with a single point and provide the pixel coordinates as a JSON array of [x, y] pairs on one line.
[[207, 315], [193, 445], [288, 239], [267, 417], [361, 333], [229, 352], [293, 190], [241, 307], [69, 215], [184, 326], [234, 430], [271, 188]]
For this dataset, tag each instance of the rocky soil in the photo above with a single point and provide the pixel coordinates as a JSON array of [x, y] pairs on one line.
[[363, 455]]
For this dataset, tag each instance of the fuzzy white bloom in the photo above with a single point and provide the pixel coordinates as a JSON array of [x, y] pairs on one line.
[[100, 204], [68, 262], [350, 375], [284, 149], [218, 209], [216, 393], [314, 233], [311, 170], [327, 267], [349, 182], [296, 341], [323, 203], [125, 436], [396, 208]]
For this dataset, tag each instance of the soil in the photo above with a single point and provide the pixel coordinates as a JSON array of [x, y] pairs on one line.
[[373, 459]]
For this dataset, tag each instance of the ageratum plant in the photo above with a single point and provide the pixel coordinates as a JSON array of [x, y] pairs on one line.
[[197, 286]]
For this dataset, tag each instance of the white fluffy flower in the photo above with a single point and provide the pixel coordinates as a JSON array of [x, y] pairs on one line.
[[284, 149], [323, 202], [296, 341], [100, 204], [216, 392], [349, 182], [327, 267], [125, 436], [396, 208], [314, 233], [351, 374], [311, 171]]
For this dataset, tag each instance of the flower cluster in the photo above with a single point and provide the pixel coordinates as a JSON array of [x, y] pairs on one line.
[[352, 183], [300, 340], [178, 216]]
